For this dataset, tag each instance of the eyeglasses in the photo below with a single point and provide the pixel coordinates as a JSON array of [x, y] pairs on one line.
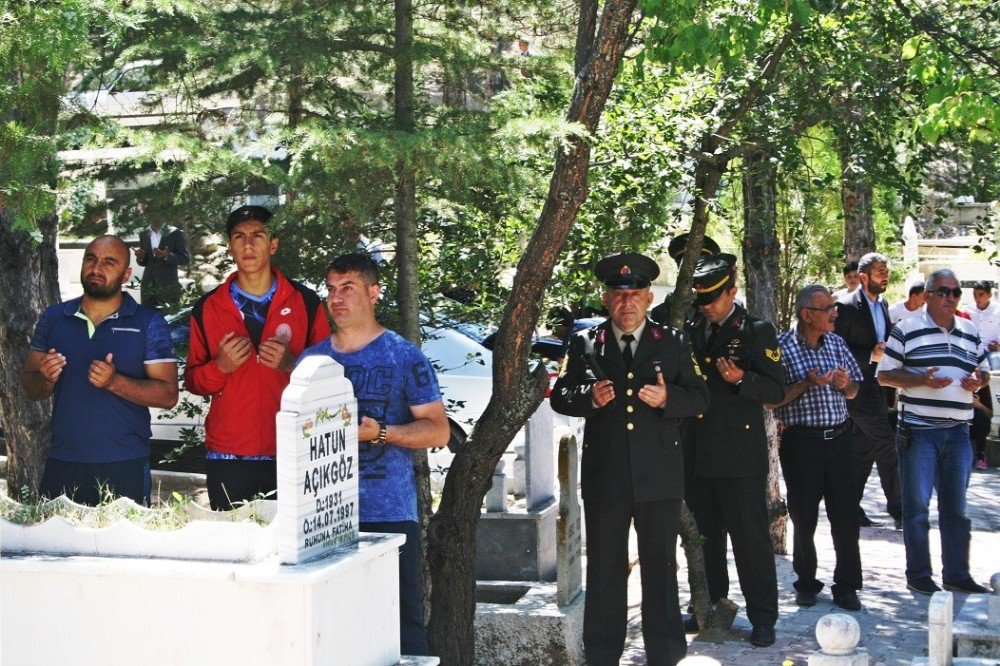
[[945, 292], [828, 309]]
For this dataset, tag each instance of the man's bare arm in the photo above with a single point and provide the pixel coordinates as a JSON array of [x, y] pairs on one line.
[[41, 371], [158, 389], [428, 429]]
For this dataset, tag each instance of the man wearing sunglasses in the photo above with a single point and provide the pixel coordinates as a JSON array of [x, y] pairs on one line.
[[817, 445], [936, 362]]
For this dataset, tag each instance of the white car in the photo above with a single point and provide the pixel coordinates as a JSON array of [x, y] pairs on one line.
[[465, 374]]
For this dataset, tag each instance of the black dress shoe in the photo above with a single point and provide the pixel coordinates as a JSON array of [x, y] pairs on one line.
[[967, 586], [848, 600], [762, 636], [865, 521], [691, 625], [805, 598], [923, 586]]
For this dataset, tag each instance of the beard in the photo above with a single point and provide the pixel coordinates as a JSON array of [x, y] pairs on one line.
[[102, 292]]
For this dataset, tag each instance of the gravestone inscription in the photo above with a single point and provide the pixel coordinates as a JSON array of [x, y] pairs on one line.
[[317, 462]]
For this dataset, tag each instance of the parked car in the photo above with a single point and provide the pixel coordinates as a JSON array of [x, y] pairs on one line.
[[465, 374]]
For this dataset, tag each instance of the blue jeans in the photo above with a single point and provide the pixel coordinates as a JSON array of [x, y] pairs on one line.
[[936, 459]]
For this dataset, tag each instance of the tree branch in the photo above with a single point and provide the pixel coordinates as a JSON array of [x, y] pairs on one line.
[[941, 35]]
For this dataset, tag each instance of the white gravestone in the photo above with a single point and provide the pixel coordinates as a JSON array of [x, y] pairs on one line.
[[539, 458], [317, 448], [569, 568], [939, 629]]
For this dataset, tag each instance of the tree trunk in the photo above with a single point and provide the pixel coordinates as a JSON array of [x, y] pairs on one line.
[[29, 282], [856, 196], [517, 389], [761, 253], [407, 255]]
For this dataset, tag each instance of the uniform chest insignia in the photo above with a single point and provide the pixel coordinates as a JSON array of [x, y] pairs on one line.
[[656, 333], [773, 354]]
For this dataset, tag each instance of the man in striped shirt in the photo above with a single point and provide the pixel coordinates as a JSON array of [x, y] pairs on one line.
[[936, 362], [817, 447]]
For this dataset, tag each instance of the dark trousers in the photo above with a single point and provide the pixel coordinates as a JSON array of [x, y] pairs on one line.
[[412, 634], [875, 443], [815, 469], [90, 483], [233, 481], [605, 614], [737, 506]]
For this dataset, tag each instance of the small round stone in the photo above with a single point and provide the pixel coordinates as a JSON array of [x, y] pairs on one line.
[[838, 633]]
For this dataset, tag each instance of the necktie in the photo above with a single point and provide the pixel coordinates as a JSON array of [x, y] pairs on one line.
[[628, 338], [713, 332]]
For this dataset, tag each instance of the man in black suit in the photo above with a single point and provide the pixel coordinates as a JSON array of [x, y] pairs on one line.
[[162, 248], [633, 380], [863, 323], [725, 449]]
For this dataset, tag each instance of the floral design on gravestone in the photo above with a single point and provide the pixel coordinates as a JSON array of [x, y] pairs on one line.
[[345, 414], [307, 429], [323, 415]]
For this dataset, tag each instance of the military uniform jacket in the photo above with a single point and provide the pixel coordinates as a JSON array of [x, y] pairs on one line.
[[729, 440], [631, 451]]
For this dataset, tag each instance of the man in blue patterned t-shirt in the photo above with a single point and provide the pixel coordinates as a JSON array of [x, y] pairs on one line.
[[401, 409]]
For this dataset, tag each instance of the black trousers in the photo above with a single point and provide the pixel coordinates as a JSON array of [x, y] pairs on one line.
[[91, 483], [605, 613], [875, 443], [412, 633], [737, 507], [816, 469], [233, 481]]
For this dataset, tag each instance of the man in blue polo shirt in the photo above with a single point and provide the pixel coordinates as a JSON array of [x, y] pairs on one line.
[[106, 360]]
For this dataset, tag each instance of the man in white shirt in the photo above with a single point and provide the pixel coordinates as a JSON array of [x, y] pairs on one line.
[[985, 315], [851, 281], [911, 306]]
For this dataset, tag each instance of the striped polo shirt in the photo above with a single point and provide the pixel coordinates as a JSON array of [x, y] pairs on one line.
[[917, 343]]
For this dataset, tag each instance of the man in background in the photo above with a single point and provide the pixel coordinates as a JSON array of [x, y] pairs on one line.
[[909, 306], [851, 281], [162, 248]]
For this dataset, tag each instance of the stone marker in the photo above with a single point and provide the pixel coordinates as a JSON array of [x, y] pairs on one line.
[[317, 430], [993, 612], [569, 569], [496, 496], [838, 635], [539, 458], [939, 638]]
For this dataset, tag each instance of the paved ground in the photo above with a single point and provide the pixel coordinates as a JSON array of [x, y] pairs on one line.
[[893, 620]]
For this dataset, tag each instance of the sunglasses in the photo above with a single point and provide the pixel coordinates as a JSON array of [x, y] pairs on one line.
[[945, 292], [828, 309]]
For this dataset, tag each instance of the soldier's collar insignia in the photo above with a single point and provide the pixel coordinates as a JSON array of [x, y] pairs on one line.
[[656, 333], [601, 334], [773, 354], [737, 320]]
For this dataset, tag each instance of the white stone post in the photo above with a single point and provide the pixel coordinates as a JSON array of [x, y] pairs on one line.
[[993, 613], [838, 635], [939, 638], [496, 496]]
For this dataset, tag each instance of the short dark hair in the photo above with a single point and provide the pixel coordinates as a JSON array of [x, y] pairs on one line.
[[246, 214], [850, 267], [983, 285], [917, 288], [355, 262]]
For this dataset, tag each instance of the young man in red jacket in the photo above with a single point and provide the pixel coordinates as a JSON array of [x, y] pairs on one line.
[[245, 337]]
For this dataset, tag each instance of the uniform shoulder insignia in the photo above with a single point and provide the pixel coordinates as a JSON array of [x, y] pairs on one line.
[[601, 333], [656, 332], [773, 354], [697, 368], [563, 366]]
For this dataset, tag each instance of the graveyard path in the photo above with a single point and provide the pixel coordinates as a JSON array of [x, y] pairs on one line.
[[893, 620]]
